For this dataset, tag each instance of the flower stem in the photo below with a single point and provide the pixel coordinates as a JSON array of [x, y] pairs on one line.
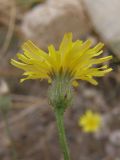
[[62, 136], [7, 128]]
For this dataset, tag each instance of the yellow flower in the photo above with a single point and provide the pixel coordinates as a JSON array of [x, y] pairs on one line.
[[90, 122], [76, 59]]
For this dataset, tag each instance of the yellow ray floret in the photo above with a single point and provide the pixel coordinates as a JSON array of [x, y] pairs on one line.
[[90, 122], [76, 59]]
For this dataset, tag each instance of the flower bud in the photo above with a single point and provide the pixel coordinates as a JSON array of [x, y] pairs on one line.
[[60, 93]]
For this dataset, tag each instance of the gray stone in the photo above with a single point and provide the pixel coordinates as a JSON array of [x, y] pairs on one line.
[[104, 15], [47, 23]]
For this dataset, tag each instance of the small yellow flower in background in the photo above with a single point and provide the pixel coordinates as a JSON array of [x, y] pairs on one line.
[[76, 60], [90, 121]]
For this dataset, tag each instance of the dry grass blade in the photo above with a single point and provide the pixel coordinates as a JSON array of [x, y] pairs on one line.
[[10, 31]]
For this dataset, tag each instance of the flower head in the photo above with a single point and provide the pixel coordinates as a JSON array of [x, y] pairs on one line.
[[90, 122], [76, 60]]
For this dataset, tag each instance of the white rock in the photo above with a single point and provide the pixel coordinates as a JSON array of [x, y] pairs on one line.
[[4, 89], [115, 138], [105, 16], [47, 23]]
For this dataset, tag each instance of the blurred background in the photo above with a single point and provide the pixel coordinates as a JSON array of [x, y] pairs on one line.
[[30, 118]]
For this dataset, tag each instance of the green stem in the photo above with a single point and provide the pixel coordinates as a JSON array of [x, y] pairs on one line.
[[7, 128], [62, 136]]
